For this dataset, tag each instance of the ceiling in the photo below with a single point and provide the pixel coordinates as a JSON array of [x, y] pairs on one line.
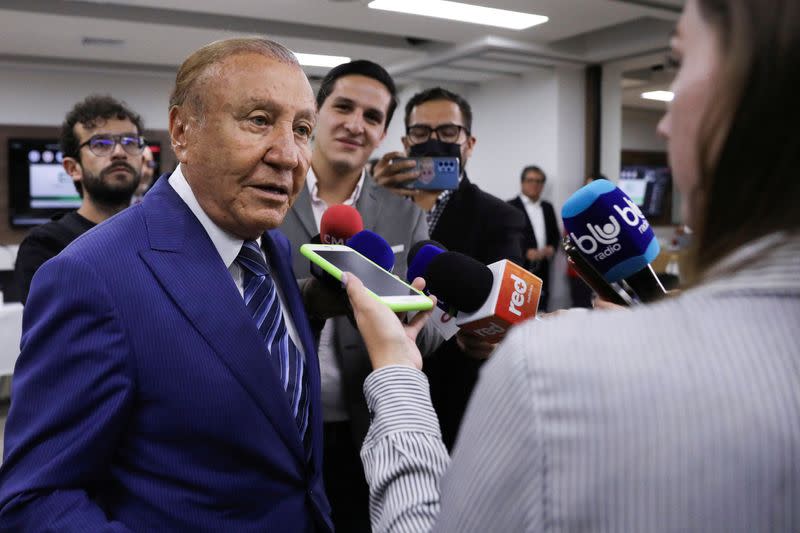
[[155, 35]]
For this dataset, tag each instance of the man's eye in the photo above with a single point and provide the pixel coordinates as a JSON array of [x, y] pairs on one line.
[[259, 120], [303, 131]]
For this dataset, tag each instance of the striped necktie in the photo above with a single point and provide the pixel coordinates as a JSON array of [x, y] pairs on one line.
[[261, 299]]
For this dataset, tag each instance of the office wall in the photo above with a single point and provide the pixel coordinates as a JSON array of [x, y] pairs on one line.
[[41, 96], [639, 130]]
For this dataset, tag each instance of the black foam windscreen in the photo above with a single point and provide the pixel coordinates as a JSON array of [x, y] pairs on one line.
[[459, 280], [412, 252]]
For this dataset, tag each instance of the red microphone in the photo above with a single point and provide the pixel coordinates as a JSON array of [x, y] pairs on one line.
[[339, 223]]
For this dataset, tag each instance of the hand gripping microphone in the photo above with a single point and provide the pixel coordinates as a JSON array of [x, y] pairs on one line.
[[614, 237], [489, 299]]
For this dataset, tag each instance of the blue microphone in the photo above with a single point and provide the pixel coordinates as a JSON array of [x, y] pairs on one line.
[[614, 236], [373, 247], [422, 258]]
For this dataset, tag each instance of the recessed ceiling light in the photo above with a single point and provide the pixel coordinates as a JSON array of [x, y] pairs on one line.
[[445, 9], [318, 60], [662, 96], [102, 41]]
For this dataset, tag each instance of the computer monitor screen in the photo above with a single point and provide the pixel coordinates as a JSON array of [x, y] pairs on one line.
[[648, 187], [39, 187]]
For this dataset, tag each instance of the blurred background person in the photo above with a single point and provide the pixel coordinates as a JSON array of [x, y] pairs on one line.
[[540, 237], [102, 143], [674, 416]]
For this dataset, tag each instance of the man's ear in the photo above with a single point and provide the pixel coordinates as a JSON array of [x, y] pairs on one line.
[[73, 167], [177, 132], [406, 144], [470, 145]]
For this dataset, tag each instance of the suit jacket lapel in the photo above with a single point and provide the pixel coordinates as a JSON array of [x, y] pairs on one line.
[[187, 265], [301, 209], [368, 204]]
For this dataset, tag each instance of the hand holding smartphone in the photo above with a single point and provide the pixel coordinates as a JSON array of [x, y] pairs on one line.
[[383, 286], [435, 173]]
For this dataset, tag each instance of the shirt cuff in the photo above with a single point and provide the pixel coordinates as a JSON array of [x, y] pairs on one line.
[[399, 400]]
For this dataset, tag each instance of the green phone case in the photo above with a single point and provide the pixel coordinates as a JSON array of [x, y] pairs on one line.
[[336, 273]]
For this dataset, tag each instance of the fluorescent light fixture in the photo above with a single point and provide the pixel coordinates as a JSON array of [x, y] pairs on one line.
[[444, 9], [661, 96], [318, 60]]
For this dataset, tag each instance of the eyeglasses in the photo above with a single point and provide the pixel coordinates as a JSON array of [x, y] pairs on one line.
[[103, 145], [448, 133], [537, 181]]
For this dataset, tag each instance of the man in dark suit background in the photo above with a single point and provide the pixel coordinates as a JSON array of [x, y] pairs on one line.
[[467, 220], [541, 235], [168, 379]]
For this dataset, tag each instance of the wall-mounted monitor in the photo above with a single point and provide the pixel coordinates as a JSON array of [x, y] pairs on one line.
[[39, 187], [648, 186]]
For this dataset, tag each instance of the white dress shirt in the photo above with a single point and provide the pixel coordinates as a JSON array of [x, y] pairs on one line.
[[334, 407], [228, 247], [536, 216]]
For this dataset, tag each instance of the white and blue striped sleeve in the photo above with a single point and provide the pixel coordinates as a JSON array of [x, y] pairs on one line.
[[403, 455], [496, 480]]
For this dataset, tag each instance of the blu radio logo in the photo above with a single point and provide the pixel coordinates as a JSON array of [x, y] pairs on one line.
[[608, 233]]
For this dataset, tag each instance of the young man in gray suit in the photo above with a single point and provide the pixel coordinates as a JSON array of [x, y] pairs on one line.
[[355, 104]]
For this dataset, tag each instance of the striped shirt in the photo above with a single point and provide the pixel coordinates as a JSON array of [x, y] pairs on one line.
[[680, 416]]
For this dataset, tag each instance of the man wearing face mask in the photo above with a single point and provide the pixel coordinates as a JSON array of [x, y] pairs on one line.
[[102, 144], [467, 220]]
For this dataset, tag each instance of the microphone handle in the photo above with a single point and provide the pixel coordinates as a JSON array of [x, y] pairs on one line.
[[646, 285]]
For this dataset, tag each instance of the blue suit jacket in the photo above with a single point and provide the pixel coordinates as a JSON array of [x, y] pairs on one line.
[[143, 398]]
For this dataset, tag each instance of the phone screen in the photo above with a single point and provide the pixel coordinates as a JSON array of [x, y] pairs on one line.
[[374, 278]]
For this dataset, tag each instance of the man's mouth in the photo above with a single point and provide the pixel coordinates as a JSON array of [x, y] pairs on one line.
[[351, 142], [274, 189]]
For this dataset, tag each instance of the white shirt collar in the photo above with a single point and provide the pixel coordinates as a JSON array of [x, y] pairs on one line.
[[227, 245], [528, 201], [313, 187]]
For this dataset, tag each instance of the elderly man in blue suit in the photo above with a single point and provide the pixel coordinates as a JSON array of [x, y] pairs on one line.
[[168, 379]]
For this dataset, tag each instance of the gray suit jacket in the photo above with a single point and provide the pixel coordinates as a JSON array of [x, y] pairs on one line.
[[398, 221]]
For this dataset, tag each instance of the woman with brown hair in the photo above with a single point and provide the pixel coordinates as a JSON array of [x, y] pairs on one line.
[[683, 415]]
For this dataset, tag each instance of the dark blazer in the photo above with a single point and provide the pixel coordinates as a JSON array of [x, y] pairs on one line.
[[486, 228], [551, 233], [539, 268], [480, 225], [143, 396], [398, 221]]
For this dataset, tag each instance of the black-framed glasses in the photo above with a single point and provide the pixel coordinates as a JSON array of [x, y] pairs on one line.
[[448, 133], [102, 145]]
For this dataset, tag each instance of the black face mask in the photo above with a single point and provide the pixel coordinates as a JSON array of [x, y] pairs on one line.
[[436, 148]]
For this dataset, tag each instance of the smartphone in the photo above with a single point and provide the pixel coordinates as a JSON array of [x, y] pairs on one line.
[[384, 286], [436, 173], [591, 276]]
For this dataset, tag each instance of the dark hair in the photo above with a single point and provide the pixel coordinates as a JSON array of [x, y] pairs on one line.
[[531, 168], [90, 113], [435, 94], [359, 67], [749, 146]]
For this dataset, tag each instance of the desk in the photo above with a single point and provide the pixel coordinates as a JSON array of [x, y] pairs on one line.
[[10, 333]]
